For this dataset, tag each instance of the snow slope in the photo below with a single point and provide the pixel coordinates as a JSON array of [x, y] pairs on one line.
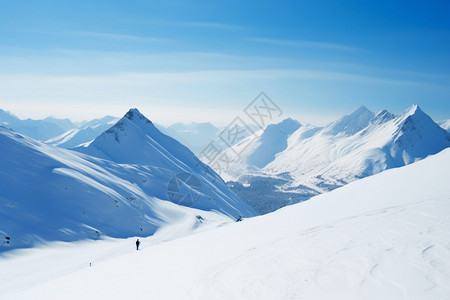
[[381, 237], [82, 134], [49, 193]]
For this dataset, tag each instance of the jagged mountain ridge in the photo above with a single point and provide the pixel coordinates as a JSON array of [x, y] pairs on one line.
[[317, 160]]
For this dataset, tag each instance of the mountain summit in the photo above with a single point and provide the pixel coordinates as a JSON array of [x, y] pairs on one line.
[[352, 123], [134, 140]]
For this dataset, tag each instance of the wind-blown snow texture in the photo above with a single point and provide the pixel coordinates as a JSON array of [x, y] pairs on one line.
[[317, 160], [381, 237], [49, 193]]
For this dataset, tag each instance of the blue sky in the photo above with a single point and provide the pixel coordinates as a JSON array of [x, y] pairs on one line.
[[206, 60]]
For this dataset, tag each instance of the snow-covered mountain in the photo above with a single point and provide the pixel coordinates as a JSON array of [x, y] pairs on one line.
[[83, 134], [135, 140], [37, 129], [49, 193], [259, 150], [7, 118], [382, 237], [317, 160], [357, 146]]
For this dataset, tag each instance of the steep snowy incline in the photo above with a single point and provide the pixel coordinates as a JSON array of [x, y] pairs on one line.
[[258, 150], [382, 237], [49, 193], [272, 141]]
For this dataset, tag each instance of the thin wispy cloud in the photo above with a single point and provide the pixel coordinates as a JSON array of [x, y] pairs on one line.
[[126, 37], [304, 43], [212, 25]]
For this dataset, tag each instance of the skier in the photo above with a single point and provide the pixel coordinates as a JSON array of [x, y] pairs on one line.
[[137, 244]]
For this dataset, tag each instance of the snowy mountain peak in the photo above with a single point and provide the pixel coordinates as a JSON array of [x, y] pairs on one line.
[[415, 114], [416, 136], [289, 122], [135, 114], [141, 124], [134, 139], [361, 110], [350, 124], [413, 108], [382, 117], [285, 126]]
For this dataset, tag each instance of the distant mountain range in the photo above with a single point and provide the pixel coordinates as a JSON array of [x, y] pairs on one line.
[[287, 163], [66, 134], [37, 129], [300, 161]]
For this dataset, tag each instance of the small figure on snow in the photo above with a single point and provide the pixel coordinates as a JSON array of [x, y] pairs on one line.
[[137, 244]]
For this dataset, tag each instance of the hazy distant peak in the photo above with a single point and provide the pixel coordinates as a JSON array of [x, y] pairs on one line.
[[352, 123]]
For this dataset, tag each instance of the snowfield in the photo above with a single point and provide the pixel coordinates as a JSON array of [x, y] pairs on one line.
[[382, 237]]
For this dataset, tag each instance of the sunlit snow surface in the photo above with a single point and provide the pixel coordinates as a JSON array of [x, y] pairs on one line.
[[382, 237]]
